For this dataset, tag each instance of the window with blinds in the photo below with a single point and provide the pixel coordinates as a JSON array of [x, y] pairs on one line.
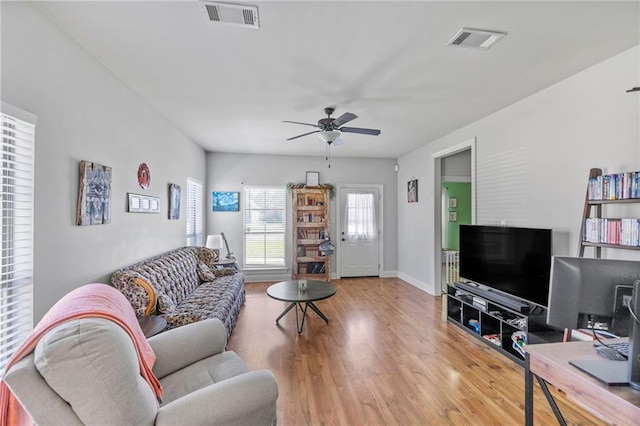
[[16, 282], [194, 213], [264, 226]]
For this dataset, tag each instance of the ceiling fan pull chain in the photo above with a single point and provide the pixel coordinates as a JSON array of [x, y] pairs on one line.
[[328, 155]]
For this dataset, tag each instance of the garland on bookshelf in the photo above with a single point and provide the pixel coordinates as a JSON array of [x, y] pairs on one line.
[[332, 189], [616, 186], [625, 232]]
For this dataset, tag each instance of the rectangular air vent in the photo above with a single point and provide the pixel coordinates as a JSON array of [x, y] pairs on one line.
[[476, 39], [232, 14]]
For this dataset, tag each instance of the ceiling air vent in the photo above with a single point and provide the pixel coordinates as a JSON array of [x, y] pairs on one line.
[[476, 39], [233, 14]]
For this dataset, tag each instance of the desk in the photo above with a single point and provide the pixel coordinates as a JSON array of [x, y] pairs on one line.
[[549, 363], [287, 291]]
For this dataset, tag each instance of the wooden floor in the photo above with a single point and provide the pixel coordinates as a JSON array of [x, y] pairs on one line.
[[385, 358]]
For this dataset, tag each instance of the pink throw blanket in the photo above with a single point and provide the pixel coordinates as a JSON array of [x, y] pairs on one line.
[[91, 300]]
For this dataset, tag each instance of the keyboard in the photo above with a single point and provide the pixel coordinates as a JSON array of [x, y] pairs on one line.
[[622, 347]]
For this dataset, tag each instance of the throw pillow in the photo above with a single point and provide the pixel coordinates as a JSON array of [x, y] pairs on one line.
[[223, 272], [207, 256], [205, 273], [165, 304]]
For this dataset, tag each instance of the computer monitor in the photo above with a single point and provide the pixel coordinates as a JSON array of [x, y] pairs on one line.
[[589, 293]]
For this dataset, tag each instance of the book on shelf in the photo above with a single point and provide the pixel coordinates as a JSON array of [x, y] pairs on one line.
[[615, 186], [613, 231]]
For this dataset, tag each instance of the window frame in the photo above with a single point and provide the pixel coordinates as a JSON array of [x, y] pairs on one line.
[[194, 217], [285, 228]]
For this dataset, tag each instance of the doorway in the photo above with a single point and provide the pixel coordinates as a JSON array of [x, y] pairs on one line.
[[359, 228], [446, 170]]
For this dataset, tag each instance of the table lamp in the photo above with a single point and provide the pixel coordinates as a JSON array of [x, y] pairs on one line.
[[214, 242]]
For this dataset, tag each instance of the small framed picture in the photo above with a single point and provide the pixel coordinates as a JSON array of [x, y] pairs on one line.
[[143, 203], [313, 178], [453, 202], [174, 201], [453, 216], [412, 191]]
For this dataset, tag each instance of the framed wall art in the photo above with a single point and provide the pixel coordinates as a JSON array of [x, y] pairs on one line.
[[143, 203], [313, 178], [174, 201], [412, 191], [453, 202], [94, 194], [225, 201]]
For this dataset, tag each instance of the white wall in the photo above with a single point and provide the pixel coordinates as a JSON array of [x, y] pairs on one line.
[[86, 113], [228, 172], [533, 160]]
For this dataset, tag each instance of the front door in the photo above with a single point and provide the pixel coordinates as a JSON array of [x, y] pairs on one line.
[[359, 233]]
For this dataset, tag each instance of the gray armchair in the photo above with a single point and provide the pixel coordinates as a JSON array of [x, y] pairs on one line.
[[86, 371]]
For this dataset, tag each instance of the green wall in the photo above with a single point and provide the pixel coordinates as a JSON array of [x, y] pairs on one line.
[[461, 191]]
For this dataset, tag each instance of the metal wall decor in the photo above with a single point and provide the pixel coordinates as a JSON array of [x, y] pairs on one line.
[[144, 175]]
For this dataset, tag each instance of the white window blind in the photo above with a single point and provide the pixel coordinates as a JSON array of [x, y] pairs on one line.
[[264, 226], [194, 213], [16, 280]]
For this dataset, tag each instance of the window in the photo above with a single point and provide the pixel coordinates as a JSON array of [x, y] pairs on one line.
[[16, 279], [194, 213], [264, 226], [361, 216]]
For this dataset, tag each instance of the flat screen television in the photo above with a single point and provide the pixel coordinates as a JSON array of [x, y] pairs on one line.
[[509, 260]]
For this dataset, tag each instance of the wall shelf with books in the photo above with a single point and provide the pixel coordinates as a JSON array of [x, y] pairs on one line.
[[601, 232], [310, 229]]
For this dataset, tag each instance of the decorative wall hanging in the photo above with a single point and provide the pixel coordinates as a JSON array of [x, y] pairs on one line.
[[453, 202], [453, 216], [144, 175], [143, 204], [174, 201], [94, 194], [226, 201], [412, 191]]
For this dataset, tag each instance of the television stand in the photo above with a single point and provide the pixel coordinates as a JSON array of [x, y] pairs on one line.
[[495, 320], [488, 294]]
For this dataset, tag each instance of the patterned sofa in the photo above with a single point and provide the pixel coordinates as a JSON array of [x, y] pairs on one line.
[[183, 286]]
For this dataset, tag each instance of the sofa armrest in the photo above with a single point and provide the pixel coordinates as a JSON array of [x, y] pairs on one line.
[[185, 345], [246, 399]]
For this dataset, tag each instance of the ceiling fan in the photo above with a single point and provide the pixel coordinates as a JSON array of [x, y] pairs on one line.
[[330, 128]]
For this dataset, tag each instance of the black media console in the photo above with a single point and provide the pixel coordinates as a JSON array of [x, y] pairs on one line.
[[501, 322]]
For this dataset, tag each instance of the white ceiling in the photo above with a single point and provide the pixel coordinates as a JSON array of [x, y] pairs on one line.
[[229, 88]]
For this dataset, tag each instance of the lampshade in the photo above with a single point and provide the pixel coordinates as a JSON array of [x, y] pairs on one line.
[[329, 136], [214, 242]]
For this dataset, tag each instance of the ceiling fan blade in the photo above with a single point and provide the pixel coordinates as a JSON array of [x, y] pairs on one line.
[[343, 119], [298, 122], [304, 134], [374, 132]]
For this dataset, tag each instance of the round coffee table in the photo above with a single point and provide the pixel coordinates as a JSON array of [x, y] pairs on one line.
[[287, 291]]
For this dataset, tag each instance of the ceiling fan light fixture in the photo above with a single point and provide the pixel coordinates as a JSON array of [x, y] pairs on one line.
[[329, 136]]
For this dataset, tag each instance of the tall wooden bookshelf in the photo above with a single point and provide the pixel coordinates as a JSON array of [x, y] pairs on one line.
[[310, 229], [605, 232]]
